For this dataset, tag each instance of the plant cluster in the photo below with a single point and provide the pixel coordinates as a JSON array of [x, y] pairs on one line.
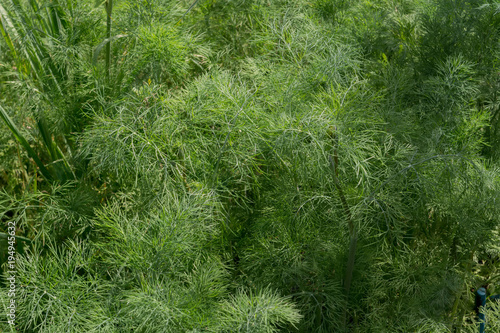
[[250, 165]]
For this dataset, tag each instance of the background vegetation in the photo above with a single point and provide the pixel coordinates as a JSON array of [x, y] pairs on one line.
[[250, 165]]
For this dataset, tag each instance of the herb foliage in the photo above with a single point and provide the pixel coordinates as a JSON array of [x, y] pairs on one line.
[[251, 165]]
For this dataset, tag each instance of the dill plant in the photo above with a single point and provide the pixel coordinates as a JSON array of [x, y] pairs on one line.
[[252, 166]]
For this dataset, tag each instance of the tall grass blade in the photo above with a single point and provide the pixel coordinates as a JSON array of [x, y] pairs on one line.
[[5, 34], [20, 138]]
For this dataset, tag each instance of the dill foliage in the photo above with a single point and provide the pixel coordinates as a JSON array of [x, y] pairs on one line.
[[249, 166]]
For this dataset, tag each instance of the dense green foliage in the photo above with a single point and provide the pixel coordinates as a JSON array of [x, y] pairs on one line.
[[250, 165]]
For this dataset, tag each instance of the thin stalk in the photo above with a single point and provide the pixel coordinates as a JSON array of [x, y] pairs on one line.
[[23, 172], [187, 11], [109, 8], [334, 162]]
